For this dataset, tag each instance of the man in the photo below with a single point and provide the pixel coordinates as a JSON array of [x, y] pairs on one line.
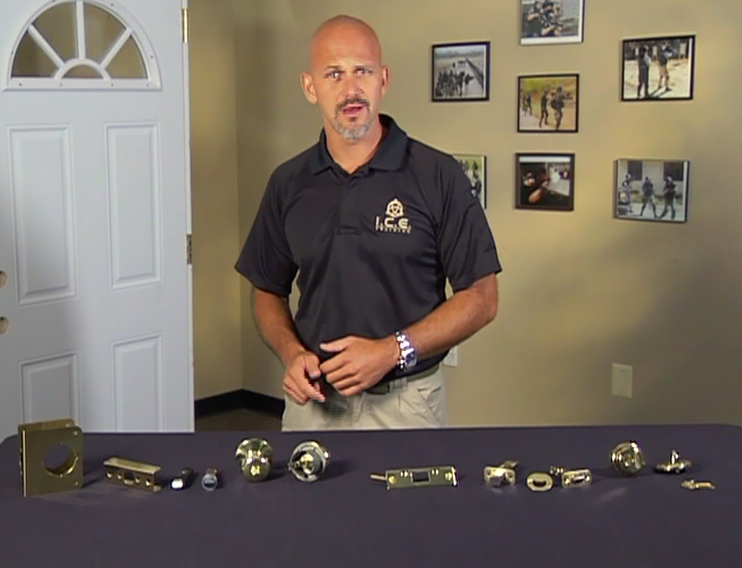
[[670, 193], [373, 222], [533, 20], [625, 194], [557, 103], [544, 119], [648, 196], [663, 59], [644, 62]]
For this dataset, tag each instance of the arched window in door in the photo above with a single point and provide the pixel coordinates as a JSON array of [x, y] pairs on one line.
[[82, 44]]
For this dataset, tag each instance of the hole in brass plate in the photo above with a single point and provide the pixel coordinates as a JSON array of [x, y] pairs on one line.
[[128, 478], [60, 460], [420, 477]]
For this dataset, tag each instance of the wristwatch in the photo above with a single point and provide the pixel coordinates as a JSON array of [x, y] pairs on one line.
[[407, 351]]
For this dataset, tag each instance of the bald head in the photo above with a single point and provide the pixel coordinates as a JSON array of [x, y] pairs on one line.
[[340, 33]]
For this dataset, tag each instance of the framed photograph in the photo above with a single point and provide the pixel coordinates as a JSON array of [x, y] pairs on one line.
[[475, 168], [461, 72], [551, 21], [548, 103], [544, 181], [658, 68], [652, 190]]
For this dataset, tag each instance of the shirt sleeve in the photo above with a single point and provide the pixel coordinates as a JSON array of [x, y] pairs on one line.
[[467, 246], [266, 259]]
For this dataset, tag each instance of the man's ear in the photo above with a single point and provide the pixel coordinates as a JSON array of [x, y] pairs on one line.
[[385, 78], [307, 87]]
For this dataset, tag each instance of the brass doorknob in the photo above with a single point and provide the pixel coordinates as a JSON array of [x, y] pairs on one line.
[[255, 457], [628, 458], [309, 461], [4, 324]]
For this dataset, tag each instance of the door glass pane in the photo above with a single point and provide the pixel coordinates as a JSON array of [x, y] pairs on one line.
[[128, 64], [31, 61], [82, 72], [57, 25], [102, 29]]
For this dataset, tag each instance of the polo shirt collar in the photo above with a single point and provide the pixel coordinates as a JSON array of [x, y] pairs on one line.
[[389, 156]]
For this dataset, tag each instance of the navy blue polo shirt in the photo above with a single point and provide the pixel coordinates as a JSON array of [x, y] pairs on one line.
[[372, 249]]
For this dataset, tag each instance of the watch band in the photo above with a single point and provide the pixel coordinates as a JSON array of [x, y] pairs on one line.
[[407, 351]]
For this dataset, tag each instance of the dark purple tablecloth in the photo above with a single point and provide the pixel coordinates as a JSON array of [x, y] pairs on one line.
[[346, 519]]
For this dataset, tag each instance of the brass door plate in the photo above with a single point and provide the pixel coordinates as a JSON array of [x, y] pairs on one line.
[[35, 440], [130, 473], [540, 482], [419, 477], [503, 474]]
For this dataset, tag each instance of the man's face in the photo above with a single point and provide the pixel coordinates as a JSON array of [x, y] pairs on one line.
[[347, 79]]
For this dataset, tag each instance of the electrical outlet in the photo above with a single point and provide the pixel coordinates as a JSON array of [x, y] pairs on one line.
[[621, 380], [452, 358]]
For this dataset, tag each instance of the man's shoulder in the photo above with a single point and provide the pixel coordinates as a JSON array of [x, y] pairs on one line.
[[294, 166], [428, 155]]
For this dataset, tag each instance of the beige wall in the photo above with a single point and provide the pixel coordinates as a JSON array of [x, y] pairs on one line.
[[580, 290], [216, 290]]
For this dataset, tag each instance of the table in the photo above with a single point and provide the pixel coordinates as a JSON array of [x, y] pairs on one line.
[[347, 519]]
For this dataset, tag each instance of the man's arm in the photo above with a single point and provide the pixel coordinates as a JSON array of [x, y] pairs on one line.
[[456, 319], [363, 362], [275, 324]]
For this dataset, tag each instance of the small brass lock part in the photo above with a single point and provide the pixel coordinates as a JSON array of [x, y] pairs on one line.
[[503, 474], [309, 461], [628, 458], [674, 465], [576, 478], [255, 456], [540, 482]]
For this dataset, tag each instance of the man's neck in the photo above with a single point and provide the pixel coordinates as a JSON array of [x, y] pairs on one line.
[[352, 154]]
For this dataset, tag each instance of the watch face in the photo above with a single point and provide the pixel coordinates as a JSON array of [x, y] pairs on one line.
[[410, 359]]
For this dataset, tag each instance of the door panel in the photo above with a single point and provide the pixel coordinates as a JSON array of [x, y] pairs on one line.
[[94, 213]]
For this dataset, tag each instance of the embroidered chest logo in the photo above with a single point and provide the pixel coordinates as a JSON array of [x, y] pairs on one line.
[[394, 220]]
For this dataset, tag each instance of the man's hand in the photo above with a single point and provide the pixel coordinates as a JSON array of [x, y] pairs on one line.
[[301, 380], [359, 363]]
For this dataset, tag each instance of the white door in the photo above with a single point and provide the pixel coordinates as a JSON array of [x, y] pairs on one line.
[[94, 215]]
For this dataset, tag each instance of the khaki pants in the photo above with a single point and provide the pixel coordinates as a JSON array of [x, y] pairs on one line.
[[418, 403]]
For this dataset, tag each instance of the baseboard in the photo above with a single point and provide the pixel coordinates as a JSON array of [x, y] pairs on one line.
[[239, 399]]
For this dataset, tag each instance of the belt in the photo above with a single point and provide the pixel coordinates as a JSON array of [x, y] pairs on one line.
[[398, 384]]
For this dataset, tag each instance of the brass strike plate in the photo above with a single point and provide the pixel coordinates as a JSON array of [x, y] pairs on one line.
[[130, 473], [35, 440], [419, 477], [577, 478]]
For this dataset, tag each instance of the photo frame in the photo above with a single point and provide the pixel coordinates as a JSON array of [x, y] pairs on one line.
[[662, 67], [475, 168], [652, 190], [460, 72], [544, 22], [549, 103], [545, 181]]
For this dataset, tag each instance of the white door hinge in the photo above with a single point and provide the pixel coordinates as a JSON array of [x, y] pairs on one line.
[[185, 26]]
